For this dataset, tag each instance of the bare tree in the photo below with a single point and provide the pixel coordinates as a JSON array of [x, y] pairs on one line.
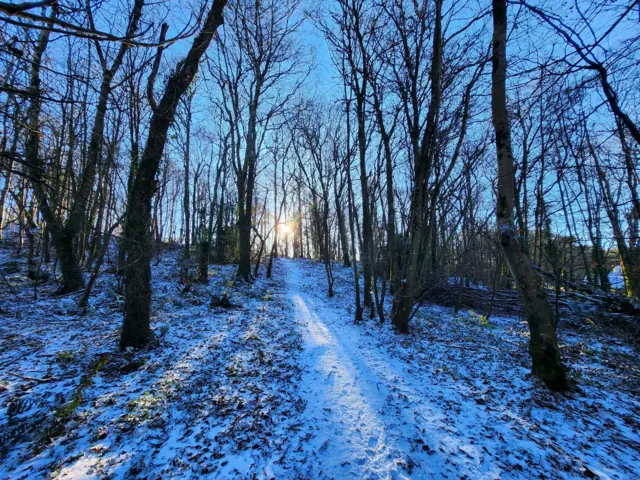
[[256, 55], [64, 232], [545, 355], [136, 331]]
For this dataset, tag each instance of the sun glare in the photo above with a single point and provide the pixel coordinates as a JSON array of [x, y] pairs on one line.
[[285, 228]]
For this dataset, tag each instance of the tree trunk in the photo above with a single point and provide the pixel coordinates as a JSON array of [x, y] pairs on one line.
[[274, 247], [627, 250], [245, 191], [352, 220], [7, 179], [298, 240], [342, 228], [543, 347], [244, 232], [326, 254], [187, 198], [367, 228], [205, 246], [69, 265], [409, 287], [136, 330], [96, 269], [220, 237], [392, 252]]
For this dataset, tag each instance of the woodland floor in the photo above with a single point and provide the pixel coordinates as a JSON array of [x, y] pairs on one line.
[[285, 385]]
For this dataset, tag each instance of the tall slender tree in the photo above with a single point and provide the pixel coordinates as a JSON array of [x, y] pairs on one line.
[[543, 346], [136, 331]]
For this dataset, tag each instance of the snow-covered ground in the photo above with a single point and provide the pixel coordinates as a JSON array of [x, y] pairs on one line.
[[454, 399], [285, 385]]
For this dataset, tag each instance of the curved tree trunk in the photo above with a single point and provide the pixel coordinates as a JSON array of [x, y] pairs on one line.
[[65, 234], [547, 364], [342, 228], [136, 330], [69, 265], [246, 184]]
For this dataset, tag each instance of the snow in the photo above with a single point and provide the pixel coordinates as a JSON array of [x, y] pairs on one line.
[[428, 406], [286, 385], [616, 278]]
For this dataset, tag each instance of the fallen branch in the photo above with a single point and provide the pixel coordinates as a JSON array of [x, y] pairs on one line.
[[33, 379]]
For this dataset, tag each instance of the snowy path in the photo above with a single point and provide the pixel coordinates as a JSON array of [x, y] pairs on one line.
[[354, 401], [343, 398]]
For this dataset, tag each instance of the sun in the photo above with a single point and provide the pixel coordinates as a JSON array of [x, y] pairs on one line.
[[285, 228]]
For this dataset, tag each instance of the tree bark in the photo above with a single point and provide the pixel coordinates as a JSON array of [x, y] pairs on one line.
[[543, 346], [342, 228], [187, 197], [205, 247], [62, 241], [423, 158], [136, 331]]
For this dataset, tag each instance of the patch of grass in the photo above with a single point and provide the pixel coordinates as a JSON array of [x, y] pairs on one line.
[[141, 408], [63, 414], [144, 401], [66, 410], [471, 317], [64, 357], [170, 387]]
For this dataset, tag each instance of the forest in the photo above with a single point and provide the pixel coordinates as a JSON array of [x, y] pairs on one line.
[[285, 239]]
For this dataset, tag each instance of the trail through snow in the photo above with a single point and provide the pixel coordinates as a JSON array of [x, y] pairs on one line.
[[357, 400], [345, 398]]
